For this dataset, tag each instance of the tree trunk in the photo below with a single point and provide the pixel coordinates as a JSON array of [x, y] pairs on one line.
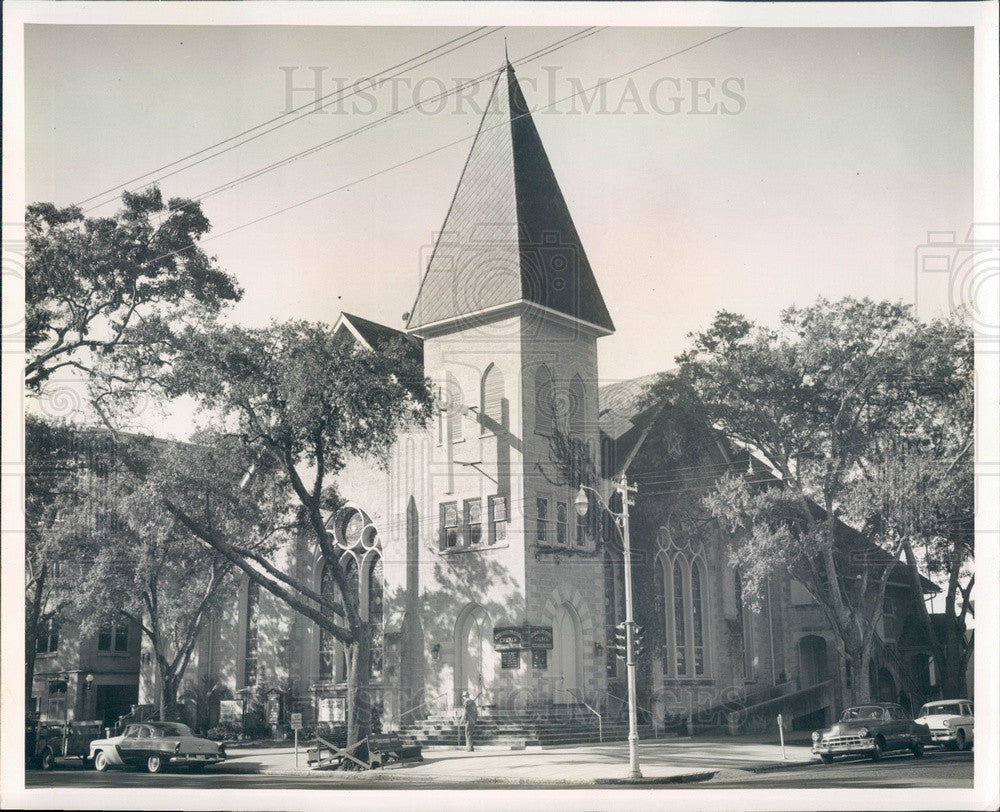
[[31, 624], [168, 690], [358, 700]]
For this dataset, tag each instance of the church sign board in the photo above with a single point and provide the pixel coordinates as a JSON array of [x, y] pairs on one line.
[[513, 638]]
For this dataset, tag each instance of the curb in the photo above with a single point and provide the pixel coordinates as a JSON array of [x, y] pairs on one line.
[[781, 765]]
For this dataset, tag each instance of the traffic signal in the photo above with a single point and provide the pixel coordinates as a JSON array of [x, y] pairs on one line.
[[621, 637], [638, 642]]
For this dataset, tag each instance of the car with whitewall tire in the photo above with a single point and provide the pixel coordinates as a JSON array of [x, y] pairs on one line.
[[951, 722], [873, 730], [155, 746]]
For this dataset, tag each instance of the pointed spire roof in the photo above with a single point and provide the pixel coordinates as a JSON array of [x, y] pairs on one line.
[[508, 236]]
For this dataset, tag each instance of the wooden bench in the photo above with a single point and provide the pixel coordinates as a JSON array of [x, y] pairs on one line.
[[388, 748]]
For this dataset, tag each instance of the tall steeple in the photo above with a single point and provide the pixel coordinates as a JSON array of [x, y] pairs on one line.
[[508, 237]]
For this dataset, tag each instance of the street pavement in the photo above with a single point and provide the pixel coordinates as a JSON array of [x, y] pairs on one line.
[[674, 763]]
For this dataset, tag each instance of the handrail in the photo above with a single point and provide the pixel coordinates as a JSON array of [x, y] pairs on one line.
[[652, 717], [410, 710], [600, 721]]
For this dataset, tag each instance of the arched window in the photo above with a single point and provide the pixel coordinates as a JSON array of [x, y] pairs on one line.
[[577, 408], [327, 642], [375, 615], [660, 603], [349, 564], [697, 619], [680, 610], [544, 406], [492, 398], [251, 638], [455, 404]]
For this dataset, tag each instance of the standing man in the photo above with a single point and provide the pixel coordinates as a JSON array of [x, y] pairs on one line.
[[469, 719]]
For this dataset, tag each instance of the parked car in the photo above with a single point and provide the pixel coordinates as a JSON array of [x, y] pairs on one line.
[[156, 745], [951, 722], [46, 742], [872, 730]]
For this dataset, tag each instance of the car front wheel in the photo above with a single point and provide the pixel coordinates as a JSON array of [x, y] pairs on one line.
[[48, 760], [826, 758], [100, 761], [879, 750], [918, 749], [154, 764], [960, 742]]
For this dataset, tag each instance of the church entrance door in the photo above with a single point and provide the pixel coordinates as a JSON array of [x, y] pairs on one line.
[[567, 646], [474, 655]]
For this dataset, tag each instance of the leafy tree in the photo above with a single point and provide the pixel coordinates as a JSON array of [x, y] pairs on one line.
[[298, 397], [105, 296], [133, 560], [820, 400]]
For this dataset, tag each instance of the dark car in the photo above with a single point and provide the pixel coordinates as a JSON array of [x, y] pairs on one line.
[[872, 730]]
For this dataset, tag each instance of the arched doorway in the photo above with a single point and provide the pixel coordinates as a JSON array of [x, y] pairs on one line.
[[474, 654], [882, 685], [813, 663], [567, 647]]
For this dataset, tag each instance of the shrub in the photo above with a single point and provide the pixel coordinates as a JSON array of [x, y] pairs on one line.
[[225, 731]]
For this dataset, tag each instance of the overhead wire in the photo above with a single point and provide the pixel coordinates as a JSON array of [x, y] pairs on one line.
[[316, 104]]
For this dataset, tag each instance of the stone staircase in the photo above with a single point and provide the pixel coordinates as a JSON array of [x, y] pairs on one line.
[[549, 727]]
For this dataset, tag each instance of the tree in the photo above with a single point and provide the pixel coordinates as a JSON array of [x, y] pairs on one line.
[[817, 400], [133, 560], [105, 296], [297, 396]]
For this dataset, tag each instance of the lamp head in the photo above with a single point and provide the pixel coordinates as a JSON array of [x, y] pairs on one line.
[[581, 503]]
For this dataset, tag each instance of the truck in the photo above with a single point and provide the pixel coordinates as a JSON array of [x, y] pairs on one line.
[[45, 742]]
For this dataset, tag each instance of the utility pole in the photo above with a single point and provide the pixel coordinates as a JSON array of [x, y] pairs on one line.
[[630, 664]]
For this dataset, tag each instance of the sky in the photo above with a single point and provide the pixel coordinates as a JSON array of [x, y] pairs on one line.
[[756, 170]]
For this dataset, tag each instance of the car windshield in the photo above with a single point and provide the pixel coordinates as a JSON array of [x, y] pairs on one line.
[[863, 712], [950, 709], [171, 729]]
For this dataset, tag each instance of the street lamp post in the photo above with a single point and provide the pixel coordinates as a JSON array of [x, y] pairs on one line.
[[581, 504]]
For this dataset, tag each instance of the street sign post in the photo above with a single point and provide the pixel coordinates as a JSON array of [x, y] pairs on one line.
[[295, 719]]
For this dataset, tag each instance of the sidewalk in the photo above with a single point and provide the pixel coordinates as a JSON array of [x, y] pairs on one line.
[[663, 761]]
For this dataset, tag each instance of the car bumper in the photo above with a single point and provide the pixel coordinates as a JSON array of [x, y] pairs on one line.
[[943, 736], [843, 746], [197, 758]]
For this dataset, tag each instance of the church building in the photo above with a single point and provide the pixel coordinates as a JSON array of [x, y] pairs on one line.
[[467, 550]]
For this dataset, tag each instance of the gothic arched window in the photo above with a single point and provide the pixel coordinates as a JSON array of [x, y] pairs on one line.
[[454, 403], [544, 423], [679, 607], [327, 642], [492, 398], [577, 408], [375, 616], [697, 619]]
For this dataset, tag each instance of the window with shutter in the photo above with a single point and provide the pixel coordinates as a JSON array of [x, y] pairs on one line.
[[544, 405], [492, 399]]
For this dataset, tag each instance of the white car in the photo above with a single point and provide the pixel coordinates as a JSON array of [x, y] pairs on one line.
[[155, 745], [951, 722]]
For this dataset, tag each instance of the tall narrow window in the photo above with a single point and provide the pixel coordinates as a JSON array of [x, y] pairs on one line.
[[449, 525], [113, 638], [48, 637], [473, 521], [577, 408], [561, 517], [492, 399], [349, 565], [542, 525], [327, 642], [375, 616], [498, 519], [543, 401], [680, 643], [660, 604], [743, 619], [697, 620], [455, 409], [581, 530], [251, 640]]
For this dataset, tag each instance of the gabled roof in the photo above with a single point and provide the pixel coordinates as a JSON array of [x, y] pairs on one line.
[[371, 334], [508, 236]]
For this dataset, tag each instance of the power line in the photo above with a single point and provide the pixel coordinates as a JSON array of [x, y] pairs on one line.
[[443, 147], [314, 105], [577, 37]]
